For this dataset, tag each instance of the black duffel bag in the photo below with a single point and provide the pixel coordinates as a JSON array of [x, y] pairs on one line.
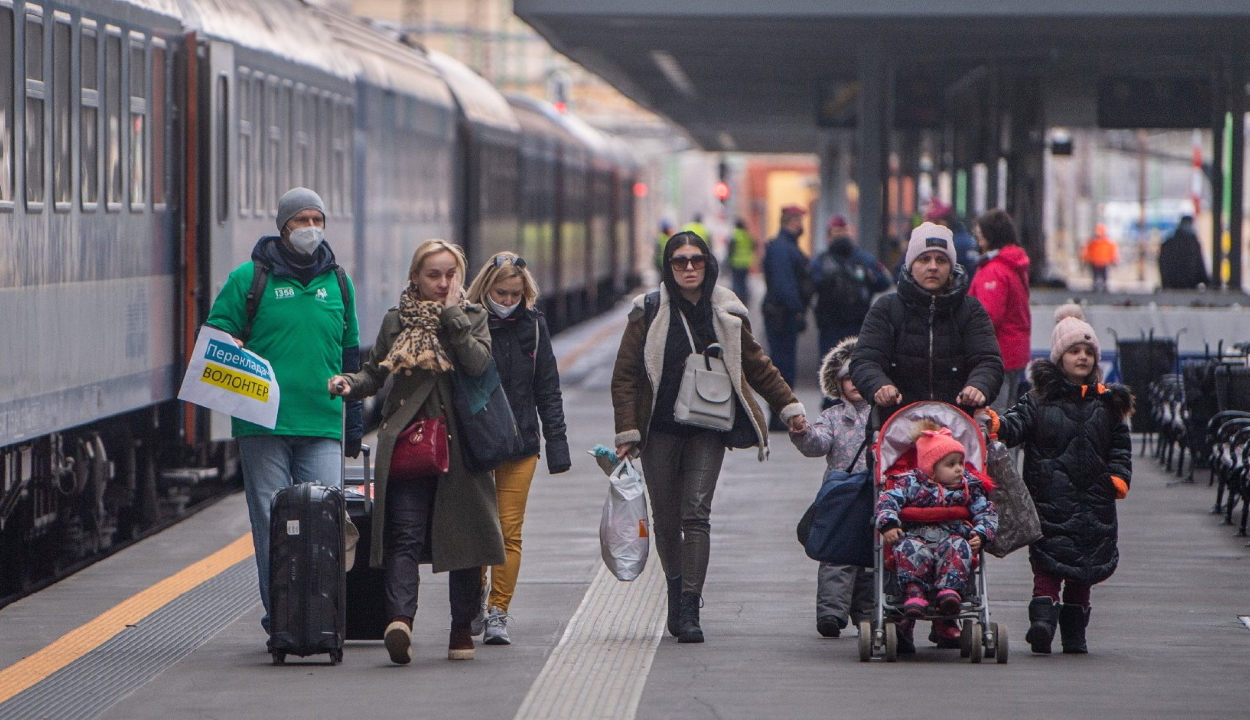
[[488, 429]]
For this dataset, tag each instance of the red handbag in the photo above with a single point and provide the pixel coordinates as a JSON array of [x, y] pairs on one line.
[[420, 450]]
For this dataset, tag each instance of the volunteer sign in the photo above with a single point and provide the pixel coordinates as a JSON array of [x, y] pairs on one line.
[[224, 377]]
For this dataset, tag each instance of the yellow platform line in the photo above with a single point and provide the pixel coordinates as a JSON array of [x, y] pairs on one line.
[[69, 647]]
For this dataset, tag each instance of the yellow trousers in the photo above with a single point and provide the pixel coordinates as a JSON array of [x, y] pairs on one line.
[[512, 490]]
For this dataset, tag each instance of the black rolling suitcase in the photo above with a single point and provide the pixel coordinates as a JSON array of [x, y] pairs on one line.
[[306, 584], [366, 593]]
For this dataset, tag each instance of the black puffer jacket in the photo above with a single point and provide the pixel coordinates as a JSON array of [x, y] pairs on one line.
[[928, 346], [1075, 438], [532, 382]]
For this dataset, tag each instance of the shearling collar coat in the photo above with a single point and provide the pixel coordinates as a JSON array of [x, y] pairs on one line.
[[640, 364], [465, 527]]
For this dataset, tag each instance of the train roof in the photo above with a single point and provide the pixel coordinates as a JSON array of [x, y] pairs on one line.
[[384, 60], [480, 102], [168, 8], [281, 27], [537, 118]]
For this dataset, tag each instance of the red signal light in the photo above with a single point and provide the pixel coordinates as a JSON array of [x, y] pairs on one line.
[[561, 107], [641, 189], [721, 190]]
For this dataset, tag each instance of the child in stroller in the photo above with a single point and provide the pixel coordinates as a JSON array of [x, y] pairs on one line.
[[934, 516]]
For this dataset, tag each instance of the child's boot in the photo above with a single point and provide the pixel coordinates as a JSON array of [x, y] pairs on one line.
[[915, 605], [1043, 614], [1072, 622]]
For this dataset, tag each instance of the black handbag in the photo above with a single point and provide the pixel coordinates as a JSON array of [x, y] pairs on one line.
[[488, 429]]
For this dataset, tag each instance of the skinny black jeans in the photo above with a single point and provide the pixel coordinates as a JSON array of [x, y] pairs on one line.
[[681, 474], [409, 517]]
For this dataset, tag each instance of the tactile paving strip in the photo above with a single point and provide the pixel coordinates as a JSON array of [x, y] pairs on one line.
[[600, 666], [91, 685]]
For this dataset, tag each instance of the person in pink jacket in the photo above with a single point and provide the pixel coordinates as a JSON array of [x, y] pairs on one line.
[[1001, 284]]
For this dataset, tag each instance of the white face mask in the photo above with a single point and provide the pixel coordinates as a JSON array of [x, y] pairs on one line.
[[501, 311], [306, 239]]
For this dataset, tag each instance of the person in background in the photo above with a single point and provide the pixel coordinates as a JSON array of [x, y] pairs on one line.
[[1100, 253], [697, 227], [681, 462], [305, 326], [741, 258], [448, 519], [521, 346], [1001, 284], [845, 277], [788, 292], [965, 245], [661, 237], [1181, 266]]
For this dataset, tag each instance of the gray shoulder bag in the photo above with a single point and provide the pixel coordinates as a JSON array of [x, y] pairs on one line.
[[706, 396]]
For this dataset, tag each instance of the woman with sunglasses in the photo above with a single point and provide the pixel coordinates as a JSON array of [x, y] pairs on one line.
[[681, 462], [521, 347]]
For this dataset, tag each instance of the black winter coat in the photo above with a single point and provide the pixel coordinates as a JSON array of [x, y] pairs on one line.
[[928, 346], [532, 382], [1075, 438]]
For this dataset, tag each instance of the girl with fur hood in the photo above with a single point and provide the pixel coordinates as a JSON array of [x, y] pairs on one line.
[[844, 593], [1078, 461], [681, 463]]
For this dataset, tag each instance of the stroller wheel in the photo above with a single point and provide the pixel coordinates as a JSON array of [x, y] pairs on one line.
[[1000, 643], [977, 643], [965, 640], [891, 642], [865, 641]]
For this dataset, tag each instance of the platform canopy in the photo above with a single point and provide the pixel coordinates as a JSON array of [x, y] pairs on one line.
[[766, 76]]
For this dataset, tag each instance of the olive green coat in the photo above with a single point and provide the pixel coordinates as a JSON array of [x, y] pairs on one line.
[[465, 526]]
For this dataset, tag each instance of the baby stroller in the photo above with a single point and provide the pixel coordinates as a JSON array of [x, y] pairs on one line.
[[893, 453]]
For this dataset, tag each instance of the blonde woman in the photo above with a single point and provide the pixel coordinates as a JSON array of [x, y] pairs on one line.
[[521, 346], [433, 331]]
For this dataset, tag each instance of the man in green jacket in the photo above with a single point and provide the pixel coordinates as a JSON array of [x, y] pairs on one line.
[[303, 321], [741, 258]]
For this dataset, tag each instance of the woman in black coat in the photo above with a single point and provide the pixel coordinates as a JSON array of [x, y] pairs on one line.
[[521, 347], [929, 340]]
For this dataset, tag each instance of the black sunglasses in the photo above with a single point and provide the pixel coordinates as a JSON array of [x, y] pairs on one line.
[[517, 262], [679, 262]]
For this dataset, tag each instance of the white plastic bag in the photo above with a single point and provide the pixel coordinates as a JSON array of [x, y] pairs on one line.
[[624, 535]]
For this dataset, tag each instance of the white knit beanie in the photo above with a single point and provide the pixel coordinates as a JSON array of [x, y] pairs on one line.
[[929, 236], [1070, 329]]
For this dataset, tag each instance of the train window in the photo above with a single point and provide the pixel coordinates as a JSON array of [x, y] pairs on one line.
[[113, 119], [7, 166], [222, 118], [36, 89], [243, 92], [272, 144], [257, 117], [283, 175], [299, 138], [321, 150], [344, 162], [138, 122], [89, 120], [157, 113], [62, 39]]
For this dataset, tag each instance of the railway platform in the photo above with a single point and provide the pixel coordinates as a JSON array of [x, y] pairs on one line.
[[170, 627]]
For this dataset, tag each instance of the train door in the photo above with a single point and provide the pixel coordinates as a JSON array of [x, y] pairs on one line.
[[216, 220]]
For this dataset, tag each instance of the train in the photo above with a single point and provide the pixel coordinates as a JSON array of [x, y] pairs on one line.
[[143, 147]]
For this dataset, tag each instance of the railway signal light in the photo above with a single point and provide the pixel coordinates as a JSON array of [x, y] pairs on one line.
[[721, 190]]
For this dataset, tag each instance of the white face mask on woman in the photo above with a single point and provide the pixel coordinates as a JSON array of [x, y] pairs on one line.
[[306, 239], [501, 311]]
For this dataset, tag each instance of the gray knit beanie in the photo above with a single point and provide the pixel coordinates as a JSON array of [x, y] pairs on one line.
[[297, 199]]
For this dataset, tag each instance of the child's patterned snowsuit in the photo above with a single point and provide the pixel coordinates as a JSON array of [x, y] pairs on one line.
[[935, 556]]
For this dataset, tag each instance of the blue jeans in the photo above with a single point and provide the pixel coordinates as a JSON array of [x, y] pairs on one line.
[[270, 463]]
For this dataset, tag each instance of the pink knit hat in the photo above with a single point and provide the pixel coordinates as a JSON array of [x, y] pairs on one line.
[[933, 445], [928, 236], [1070, 329]]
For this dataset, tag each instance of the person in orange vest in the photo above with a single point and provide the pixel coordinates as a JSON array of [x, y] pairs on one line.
[[1100, 253]]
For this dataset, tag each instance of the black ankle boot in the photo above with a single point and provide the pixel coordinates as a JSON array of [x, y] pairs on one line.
[[688, 630], [674, 606], [1043, 614], [1072, 622]]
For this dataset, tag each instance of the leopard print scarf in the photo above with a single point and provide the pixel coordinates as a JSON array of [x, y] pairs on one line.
[[417, 344]]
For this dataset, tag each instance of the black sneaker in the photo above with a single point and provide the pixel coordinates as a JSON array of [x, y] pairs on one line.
[[830, 626]]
